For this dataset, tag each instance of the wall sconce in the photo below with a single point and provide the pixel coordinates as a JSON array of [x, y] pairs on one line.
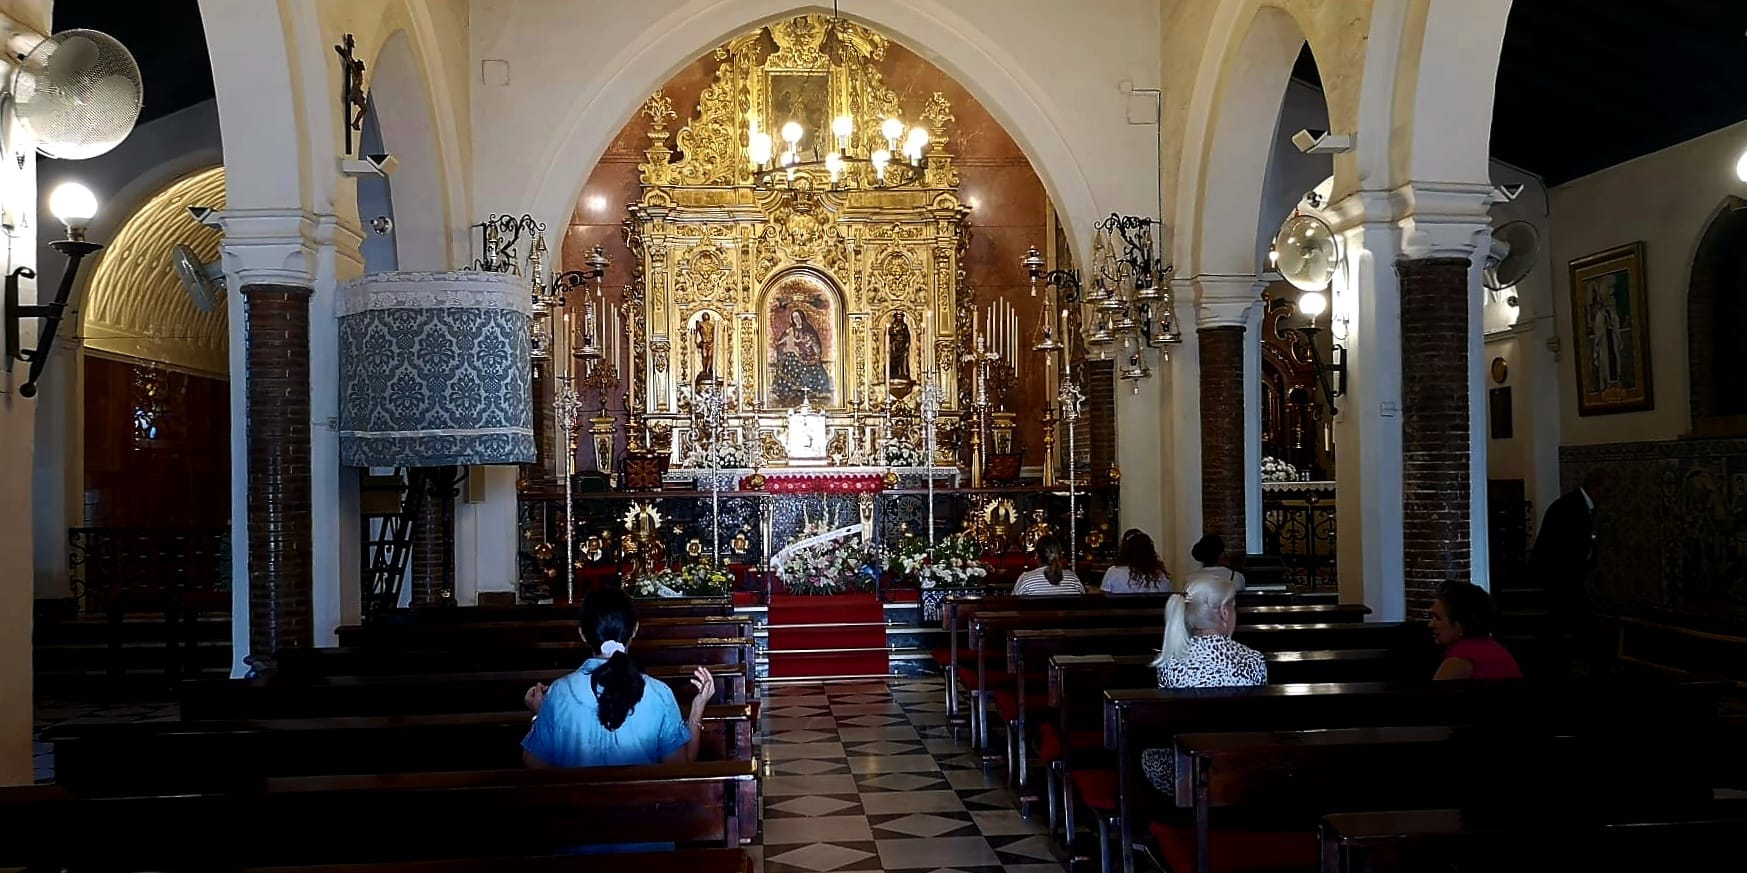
[[1332, 375], [74, 205]]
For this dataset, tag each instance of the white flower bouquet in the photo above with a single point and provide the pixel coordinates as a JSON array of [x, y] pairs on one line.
[[1276, 470], [898, 453], [955, 562]]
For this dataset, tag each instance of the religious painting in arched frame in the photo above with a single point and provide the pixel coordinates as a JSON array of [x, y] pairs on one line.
[[802, 317]]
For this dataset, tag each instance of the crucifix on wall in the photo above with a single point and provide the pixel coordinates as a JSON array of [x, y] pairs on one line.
[[354, 101]]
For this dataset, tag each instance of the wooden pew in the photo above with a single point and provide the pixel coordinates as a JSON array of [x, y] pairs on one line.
[[956, 611], [1073, 745], [417, 694], [194, 756], [392, 817], [1065, 630], [1456, 839], [517, 633], [352, 661], [683, 861], [1152, 718], [647, 607]]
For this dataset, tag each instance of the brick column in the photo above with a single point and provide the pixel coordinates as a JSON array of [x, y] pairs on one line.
[[1436, 477], [1222, 433], [281, 575]]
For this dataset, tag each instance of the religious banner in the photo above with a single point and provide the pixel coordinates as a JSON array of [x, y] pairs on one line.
[[1612, 332]]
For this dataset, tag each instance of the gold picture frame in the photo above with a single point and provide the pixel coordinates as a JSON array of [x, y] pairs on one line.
[[1611, 332]]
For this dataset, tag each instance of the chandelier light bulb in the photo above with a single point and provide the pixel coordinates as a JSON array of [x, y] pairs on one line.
[[834, 164], [1741, 167], [759, 149], [792, 132], [1312, 304], [891, 129], [843, 126], [73, 204]]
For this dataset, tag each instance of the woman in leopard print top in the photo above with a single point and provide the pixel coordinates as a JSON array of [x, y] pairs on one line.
[[1200, 653]]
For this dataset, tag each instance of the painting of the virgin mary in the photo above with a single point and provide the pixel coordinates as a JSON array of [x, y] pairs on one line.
[[800, 318]]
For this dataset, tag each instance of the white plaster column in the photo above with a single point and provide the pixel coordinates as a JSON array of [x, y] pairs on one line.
[[1253, 423], [334, 514], [1140, 454], [1454, 220], [1365, 315], [260, 246]]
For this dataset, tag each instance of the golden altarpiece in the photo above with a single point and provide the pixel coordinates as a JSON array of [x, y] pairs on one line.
[[824, 289]]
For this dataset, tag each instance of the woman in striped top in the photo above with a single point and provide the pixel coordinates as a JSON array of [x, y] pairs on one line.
[[1049, 577]]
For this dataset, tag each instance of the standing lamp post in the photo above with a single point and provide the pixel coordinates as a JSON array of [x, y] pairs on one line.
[[569, 407]]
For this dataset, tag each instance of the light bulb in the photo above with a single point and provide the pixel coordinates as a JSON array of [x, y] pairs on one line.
[[918, 138], [73, 204], [1312, 304], [792, 132], [834, 164], [881, 158], [843, 126], [891, 129], [1741, 167], [759, 148]]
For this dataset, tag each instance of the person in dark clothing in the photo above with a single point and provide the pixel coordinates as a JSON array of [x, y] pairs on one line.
[[1564, 553]]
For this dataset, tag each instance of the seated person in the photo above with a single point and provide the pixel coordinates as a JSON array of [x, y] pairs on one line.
[[1462, 623], [1138, 569], [1209, 552], [1049, 576], [1200, 653], [606, 713]]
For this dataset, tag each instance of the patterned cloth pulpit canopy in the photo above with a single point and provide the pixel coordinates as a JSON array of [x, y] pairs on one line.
[[434, 370]]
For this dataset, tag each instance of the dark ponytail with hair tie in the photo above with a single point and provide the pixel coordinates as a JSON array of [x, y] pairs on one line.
[[609, 617]]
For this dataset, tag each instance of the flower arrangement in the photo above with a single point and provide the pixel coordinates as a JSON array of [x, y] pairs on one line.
[[697, 579], [724, 454], [830, 567], [955, 562], [898, 453], [1276, 470]]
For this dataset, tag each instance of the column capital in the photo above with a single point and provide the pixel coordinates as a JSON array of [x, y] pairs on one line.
[[1442, 219], [1225, 300], [269, 246]]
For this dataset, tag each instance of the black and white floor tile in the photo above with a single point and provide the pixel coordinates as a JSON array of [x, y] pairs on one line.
[[870, 777]]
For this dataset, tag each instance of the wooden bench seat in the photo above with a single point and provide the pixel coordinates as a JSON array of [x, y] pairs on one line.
[[1144, 719], [383, 817], [417, 694], [113, 757], [1694, 838], [523, 632], [957, 610], [354, 661], [1081, 771], [682, 861], [1122, 632]]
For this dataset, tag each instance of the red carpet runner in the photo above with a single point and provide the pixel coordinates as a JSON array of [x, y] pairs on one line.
[[827, 637]]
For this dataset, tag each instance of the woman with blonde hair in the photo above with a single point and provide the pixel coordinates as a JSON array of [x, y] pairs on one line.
[[1199, 652]]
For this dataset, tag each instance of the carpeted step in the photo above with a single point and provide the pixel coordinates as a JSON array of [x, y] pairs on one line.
[[827, 637]]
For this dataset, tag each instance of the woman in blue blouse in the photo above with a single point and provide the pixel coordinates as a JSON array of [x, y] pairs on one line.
[[606, 713]]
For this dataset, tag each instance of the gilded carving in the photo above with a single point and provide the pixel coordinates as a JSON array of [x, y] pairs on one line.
[[707, 237]]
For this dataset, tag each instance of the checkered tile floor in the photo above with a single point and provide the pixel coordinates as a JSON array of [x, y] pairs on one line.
[[869, 777]]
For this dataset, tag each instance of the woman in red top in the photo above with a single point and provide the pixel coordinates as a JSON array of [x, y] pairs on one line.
[[1462, 623]]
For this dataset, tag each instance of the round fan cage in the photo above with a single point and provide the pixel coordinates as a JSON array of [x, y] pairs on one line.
[[78, 94]]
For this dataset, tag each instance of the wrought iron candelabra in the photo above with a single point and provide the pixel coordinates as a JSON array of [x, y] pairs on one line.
[[568, 406], [929, 406], [709, 413], [1070, 398]]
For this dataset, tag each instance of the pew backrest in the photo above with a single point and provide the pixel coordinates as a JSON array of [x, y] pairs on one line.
[[384, 817]]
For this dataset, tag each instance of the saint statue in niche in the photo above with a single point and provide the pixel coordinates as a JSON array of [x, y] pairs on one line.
[[898, 348], [704, 334]]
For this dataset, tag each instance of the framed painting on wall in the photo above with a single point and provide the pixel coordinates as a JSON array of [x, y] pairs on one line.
[[1612, 331], [802, 316]]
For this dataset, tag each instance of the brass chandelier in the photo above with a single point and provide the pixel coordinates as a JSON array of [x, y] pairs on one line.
[[900, 162]]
